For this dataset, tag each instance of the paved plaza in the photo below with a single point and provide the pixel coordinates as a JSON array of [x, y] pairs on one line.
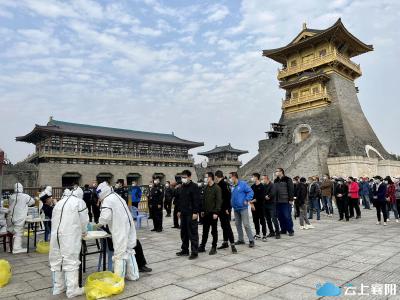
[[357, 252]]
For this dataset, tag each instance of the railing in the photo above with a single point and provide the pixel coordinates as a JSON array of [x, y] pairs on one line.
[[94, 155], [315, 62], [304, 99]]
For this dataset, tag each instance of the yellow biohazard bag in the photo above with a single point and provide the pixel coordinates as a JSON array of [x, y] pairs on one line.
[[31, 233], [103, 284], [5, 272], [42, 247]]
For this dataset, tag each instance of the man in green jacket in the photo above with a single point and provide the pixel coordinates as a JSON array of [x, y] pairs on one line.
[[211, 206]]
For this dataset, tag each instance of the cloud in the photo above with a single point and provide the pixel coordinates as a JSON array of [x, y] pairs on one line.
[[217, 13]]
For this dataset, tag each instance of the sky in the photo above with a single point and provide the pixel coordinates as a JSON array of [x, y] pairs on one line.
[[190, 67]]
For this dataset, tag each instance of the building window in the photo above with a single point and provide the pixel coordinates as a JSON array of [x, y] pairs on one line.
[[293, 63], [295, 95], [322, 52], [301, 133], [315, 90], [307, 58], [305, 92]]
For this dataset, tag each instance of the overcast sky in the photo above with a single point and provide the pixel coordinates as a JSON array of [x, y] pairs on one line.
[[191, 67]]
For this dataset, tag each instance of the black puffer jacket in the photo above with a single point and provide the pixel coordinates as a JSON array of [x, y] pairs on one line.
[[283, 190], [189, 199]]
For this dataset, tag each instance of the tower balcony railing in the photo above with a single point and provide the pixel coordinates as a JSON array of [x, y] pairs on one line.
[[115, 156], [305, 99], [318, 61]]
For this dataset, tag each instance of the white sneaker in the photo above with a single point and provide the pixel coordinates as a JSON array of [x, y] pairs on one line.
[[302, 227], [397, 220], [310, 226], [384, 223], [387, 220], [378, 223]]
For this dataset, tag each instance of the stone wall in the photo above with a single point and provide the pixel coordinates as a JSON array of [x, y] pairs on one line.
[[25, 173], [357, 166]]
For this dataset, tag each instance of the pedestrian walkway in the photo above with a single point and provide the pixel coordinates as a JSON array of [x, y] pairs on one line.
[[357, 252]]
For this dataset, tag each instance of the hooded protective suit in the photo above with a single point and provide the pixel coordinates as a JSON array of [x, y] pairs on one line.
[[116, 214], [78, 192], [18, 210], [69, 222]]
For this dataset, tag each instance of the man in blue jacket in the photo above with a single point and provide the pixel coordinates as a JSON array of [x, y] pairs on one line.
[[136, 194], [242, 194]]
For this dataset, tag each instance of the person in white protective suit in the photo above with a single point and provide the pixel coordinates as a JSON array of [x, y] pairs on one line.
[[115, 213], [77, 191], [69, 224], [18, 210]]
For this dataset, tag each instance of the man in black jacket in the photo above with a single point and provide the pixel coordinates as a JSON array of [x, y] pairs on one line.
[[95, 203], [156, 205], [341, 193], [284, 193], [168, 197], [270, 209], [121, 190], [188, 212], [225, 213], [257, 207], [301, 202]]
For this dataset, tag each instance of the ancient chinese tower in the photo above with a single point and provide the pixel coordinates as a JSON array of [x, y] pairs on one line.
[[322, 128]]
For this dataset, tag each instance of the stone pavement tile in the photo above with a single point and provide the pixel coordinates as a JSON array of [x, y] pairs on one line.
[[244, 289], [132, 288], [15, 288], [388, 266], [351, 265], [26, 276], [171, 292], [270, 279], [40, 283], [293, 291], [290, 254], [311, 280], [160, 279], [213, 263], [309, 263], [291, 270], [213, 295], [229, 275], [253, 266], [253, 253], [337, 273], [189, 271], [29, 268], [330, 258], [45, 294], [236, 258], [202, 283]]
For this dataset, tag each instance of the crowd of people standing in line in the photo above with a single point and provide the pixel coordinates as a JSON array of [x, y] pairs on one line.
[[270, 202]]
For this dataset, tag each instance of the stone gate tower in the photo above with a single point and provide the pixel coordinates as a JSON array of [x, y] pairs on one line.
[[322, 128]]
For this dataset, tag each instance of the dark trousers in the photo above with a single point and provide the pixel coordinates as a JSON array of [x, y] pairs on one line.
[[209, 221], [381, 207], [226, 227], [343, 207], [272, 220], [139, 255], [354, 205], [189, 232], [284, 216], [297, 210], [176, 219], [157, 217], [167, 205], [89, 208], [96, 212], [259, 218]]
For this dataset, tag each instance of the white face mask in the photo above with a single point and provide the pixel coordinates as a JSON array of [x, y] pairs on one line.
[[231, 180], [167, 185], [156, 181], [205, 179], [150, 185], [184, 180], [133, 184], [386, 182]]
